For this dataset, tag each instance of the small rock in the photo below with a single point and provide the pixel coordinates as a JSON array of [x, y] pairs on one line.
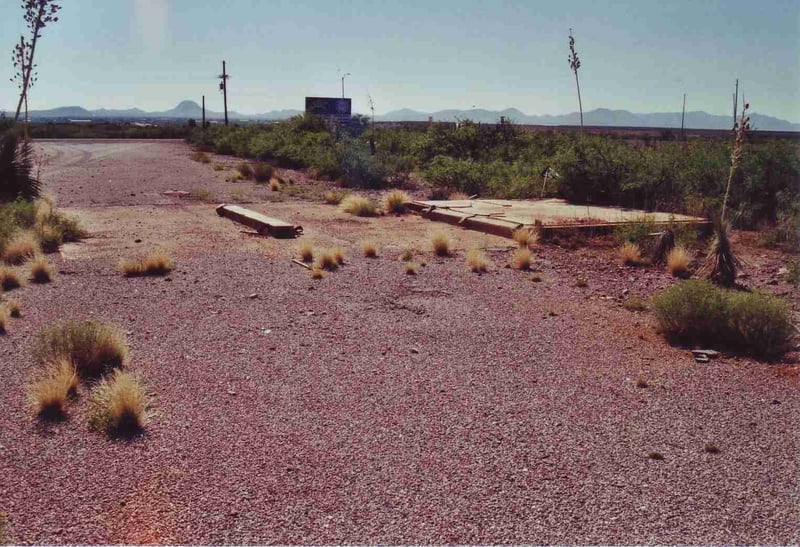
[[137, 240], [414, 350]]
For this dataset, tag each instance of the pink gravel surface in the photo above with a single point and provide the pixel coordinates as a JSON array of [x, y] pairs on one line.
[[376, 407]]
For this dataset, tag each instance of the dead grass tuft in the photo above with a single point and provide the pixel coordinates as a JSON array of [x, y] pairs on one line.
[[458, 196], [477, 261], [407, 254], [635, 303], [49, 393], [275, 185], [339, 255], [245, 170], [410, 268], [525, 237], [200, 156], [441, 244], [21, 248], [94, 347], [678, 261], [522, 259], [9, 279], [263, 172], [13, 308], [395, 202], [40, 270], [369, 249], [334, 197], [358, 206], [119, 404], [3, 320], [317, 273], [630, 254], [711, 448], [154, 263], [307, 252], [327, 261]]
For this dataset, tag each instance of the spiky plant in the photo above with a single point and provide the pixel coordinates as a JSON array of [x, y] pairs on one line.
[[575, 64], [16, 169]]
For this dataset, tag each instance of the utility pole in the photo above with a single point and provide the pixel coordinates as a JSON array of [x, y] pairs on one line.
[[735, 103], [204, 112], [683, 114], [343, 77], [223, 85]]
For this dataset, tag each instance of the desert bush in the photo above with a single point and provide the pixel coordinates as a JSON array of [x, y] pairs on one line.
[[678, 261], [94, 347], [262, 171], [50, 390], [339, 255], [522, 259], [630, 255], [395, 202], [410, 268], [457, 196], [245, 170], [693, 311], [9, 279], [154, 263], [334, 197], [307, 252], [40, 270], [358, 206], [201, 157], [13, 308], [327, 261], [21, 248], [477, 261], [635, 303], [50, 238], [317, 273], [119, 404], [370, 249], [759, 323], [441, 244], [274, 185], [3, 320], [69, 229]]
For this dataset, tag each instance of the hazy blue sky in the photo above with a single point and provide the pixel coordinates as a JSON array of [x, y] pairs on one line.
[[638, 55]]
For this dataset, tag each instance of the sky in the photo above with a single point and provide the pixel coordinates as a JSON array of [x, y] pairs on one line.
[[636, 55]]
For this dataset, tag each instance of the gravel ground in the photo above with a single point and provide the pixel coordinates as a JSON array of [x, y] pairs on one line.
[[376, 407]]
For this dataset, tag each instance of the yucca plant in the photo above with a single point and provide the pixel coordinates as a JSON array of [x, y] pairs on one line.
[[16, 169]]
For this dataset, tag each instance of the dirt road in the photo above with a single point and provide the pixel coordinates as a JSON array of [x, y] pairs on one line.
[[373, 406]]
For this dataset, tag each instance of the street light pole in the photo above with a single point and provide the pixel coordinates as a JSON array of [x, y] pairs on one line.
[[343, 77]]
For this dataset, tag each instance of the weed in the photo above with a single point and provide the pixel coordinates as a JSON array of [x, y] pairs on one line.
[[307, 252], [20, 249], [635, 303], [49, 237], [119, 404], [218, 167], [154, 263], [369, 249], [274, 185], [358, 206], [334, 197], [441, 244], [410, 268], [40, 270], [339, 255], [94, 347], [202, 195], [317, 273], [202, 157], [395, 202], [244, 170], [327, 261], [458, 196], [407, 255], [629, 254], [263, 172], [522, 259], [9, 279], [13, 308], [476, 261], [525, 237], [48, 393], [3, 320], [678, 261]]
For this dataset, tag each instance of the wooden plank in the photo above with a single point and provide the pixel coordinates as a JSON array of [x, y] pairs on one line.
[[263, 224]]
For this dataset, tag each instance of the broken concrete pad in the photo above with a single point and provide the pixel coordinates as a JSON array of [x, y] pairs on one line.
[[264, 225]]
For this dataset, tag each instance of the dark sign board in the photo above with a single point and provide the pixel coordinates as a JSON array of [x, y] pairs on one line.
[[329, 107]]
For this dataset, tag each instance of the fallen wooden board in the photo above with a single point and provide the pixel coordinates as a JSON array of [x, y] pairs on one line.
[[264, 225]]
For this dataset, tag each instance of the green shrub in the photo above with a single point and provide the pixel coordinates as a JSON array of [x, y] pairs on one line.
[[262, 172], [759, 323], [693, 311]]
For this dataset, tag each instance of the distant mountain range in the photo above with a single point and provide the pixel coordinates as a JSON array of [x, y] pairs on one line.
[[598, 117]]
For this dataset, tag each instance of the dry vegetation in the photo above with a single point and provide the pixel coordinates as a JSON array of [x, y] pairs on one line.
[[395, 202], [339, 255], [307, 252], [327, 261], [317, 273], [275, 185], [522, 259], [94, 347], [678, 261], [358, 206], [525, 237], [458, 196], [13, 308], [630, 254], [262, 172], [441, 244], [369, 249], [410, 268], [200, 156], [21, 248], [154, 263], [477, 261], [3, 320], [334, 197], [50, 390], [119, 404], [9, 279], [40, 270], [244, 170]]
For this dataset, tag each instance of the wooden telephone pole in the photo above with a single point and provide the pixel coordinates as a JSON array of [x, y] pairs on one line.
[[204, 112], [223, 85]]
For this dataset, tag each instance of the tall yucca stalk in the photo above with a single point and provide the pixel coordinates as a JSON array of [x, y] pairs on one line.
[[575, 64], [721, 264]]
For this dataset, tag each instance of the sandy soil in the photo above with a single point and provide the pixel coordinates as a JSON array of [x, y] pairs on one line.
[[376, 407]]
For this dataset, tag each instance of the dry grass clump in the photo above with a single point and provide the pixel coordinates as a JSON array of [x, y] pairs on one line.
[[678, 261], [307, 252], [21, 248], [358, 206], [40, 270], [410, 268], [9, 279], [327, 261], [275, 185], [13, 308], [200, 156], [369, 249], [317, 273], [94, 347], [441, 244], [581, 282], [477, 261], [49, 237], [339, 255], [154, 263], [407, 254], [525, 237], [635, 303], [48, 393], [458, 196], [522, 259], [630, 254], [3, 320], [263, 172], [334, 197], [244, 170], [395, 202], [119, 404]]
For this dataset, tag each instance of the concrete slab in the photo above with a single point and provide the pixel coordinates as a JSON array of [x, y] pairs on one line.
[[502, 216], [263, 224]]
